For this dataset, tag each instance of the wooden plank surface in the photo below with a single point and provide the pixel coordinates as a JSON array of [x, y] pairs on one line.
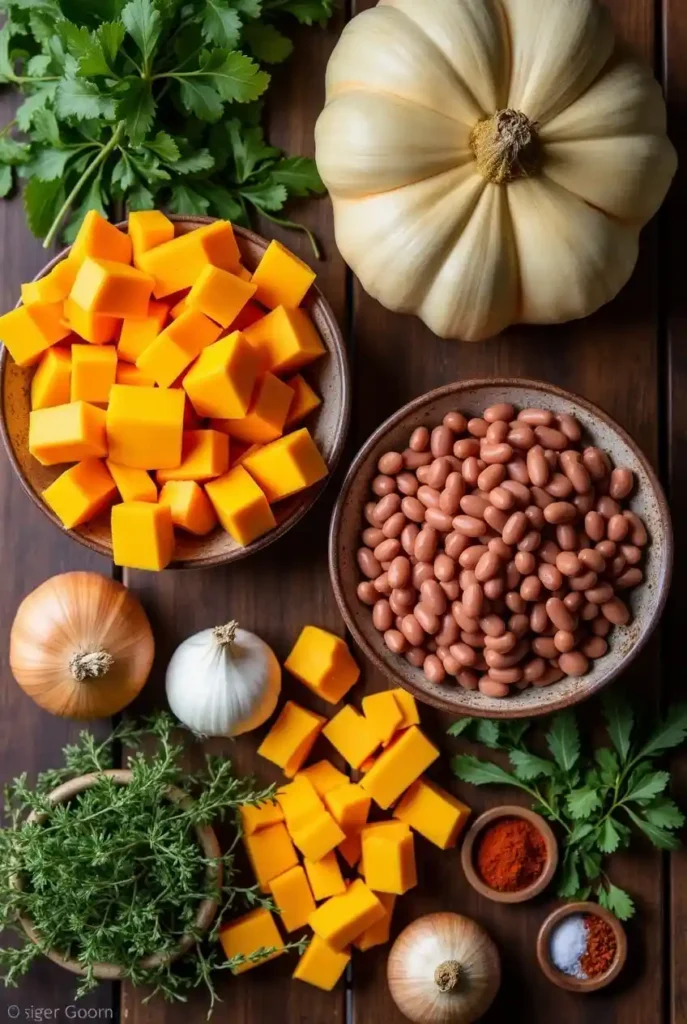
[[31, 550], [612, 360], [674, 24]]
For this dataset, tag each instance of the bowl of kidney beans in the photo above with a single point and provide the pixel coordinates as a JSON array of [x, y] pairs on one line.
[[501, 548]]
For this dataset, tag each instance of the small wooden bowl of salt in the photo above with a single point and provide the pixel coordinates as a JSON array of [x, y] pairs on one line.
[[581, 947]]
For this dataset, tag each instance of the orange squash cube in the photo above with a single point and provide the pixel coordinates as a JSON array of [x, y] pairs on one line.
[[352, 735], [389, 859], [265, 416], [343, 918], [219, 294], [204, 456], [255, 817], [323, 776], [81, 492], [325, 876], [351, 849], [291, 738], [293, 898], [288, 465], [282, 278], [321, 965], [286, 340], [127, 373], [248, 934], [138, 333], [179, 307], [239, 450], [54, 287], [92, 327], [93, 373], [148, 228], [175, 265], [99, 239], [111, 289], [50, 384], [316, 835], [250, 314], [271, 853], [29, 330], [67, 433], [132, 484], [243, 273], [145, 426], [142, 535], [304, 400], [190, 506], [397, 767], [221, 382], [378, 933], [166, 358], [349, 806], [323, 662], [240, 505], [384, 714]]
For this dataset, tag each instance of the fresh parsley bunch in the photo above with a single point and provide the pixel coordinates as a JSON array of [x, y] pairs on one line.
[[594, 797], [147, 103], [117, 874]]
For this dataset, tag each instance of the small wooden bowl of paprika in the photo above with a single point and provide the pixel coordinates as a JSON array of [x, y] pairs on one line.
[[509, 854]]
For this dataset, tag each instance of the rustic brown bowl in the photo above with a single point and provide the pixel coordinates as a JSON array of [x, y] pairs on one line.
[[472, 397], [467, 854], [207, 909], [580, 985], [328, 425]]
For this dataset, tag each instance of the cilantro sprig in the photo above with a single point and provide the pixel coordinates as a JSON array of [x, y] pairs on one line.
[[598, 799], [117, 873], [147, 103]]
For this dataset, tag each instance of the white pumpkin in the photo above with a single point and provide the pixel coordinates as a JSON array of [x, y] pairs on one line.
[[490, 161]]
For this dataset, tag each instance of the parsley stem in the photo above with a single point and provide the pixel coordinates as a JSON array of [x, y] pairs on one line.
[[100, 158], [294, 226]]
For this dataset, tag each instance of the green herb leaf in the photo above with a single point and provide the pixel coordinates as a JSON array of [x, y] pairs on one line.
[[458, 727], [670, 733], [617, 901], [528, 766], [137, 109], [6, 179], [301, 177], [222, 202], [265, 196], [142, 21], [581, 830], [186, 200], [38, 100], [201, 160], [660, 837], [221, 24], [76, 98], [563, 740], [609, 836], [236, 77], [165, 147], [267, 43], [664, 813], [647, 787], [607, 761], [582, 802], [308, 12], [140, 198], [569, 876], [487, 732], [48, 164], [201, 99], [619, 722], [42, 200], [481, 773]]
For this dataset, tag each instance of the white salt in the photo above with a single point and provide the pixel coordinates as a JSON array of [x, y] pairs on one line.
[[568, 944]]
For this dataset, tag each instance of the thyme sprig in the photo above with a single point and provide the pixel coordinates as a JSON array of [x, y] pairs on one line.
[[117, 873]]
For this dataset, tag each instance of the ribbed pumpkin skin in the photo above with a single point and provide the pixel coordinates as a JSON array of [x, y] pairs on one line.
[[417, 219]]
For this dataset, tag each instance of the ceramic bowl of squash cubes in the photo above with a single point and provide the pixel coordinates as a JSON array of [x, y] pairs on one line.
[[174, 390]]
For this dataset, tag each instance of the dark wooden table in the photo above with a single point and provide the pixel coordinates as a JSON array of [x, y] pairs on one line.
[[630, 359]]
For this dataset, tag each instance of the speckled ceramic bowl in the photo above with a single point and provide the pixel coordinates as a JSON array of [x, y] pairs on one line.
[[472, 397], [328, 425]]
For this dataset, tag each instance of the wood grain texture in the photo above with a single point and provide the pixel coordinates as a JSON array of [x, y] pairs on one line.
[[674, 23], [274, 593], [612, 359], [32, 550]]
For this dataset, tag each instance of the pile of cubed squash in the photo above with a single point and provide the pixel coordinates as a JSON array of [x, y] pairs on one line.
[[323, 815], [163, 353]]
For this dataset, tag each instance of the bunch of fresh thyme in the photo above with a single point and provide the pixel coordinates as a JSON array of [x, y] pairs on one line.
[[117, 873]]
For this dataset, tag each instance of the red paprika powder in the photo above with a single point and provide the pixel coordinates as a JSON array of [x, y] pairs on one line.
[[601, 947], [511, 855]]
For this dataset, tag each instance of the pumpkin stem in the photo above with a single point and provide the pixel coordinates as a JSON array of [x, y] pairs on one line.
[[226, 635], [506, 147], [447, 975], [86, 665]]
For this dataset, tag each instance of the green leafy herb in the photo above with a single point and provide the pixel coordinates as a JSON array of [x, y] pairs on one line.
[[595, 799], [117, 873], [148, 103]]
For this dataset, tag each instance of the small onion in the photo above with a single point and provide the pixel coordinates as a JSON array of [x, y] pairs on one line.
[[443, 969]]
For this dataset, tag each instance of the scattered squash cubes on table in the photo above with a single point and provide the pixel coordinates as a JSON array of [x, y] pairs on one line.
[[140, 359], [323, 662], [248, 934], [435, 814], [388, 861], [343, 918], [397, 767]]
